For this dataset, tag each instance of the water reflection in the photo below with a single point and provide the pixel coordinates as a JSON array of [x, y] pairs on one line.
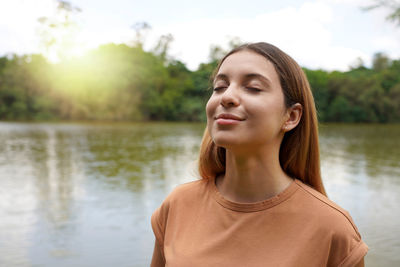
[[360, 165], [141, 154], [83, 194]]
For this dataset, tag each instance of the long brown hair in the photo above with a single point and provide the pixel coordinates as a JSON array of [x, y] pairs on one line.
[[299, 151]]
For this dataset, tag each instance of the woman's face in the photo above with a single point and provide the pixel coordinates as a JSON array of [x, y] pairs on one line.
[[246, 109]]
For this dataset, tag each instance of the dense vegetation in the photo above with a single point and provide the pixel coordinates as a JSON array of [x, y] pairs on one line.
[[121, 82]]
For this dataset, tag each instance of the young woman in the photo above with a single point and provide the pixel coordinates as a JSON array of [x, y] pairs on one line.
[[261, 200]]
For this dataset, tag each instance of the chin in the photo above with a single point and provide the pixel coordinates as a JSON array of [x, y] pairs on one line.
[[228, 143]]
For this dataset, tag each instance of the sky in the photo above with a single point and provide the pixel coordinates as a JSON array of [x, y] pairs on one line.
[[327, 34]]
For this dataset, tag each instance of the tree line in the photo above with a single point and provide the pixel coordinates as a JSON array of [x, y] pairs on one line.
[[126, 83]]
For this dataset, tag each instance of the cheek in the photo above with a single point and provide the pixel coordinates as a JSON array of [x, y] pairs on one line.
[[210, 107], [265, 112]]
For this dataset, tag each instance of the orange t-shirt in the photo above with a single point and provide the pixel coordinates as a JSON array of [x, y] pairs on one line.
[[197, 226]]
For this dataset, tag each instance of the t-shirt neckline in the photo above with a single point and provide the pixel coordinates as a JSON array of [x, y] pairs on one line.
[[256, 206]]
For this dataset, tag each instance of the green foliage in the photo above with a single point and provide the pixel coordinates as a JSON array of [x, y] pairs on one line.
[[121, 82], [24, 91], [359, 95], [318, 80]]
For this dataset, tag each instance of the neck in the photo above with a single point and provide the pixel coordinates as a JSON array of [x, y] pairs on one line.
[[252, 177]]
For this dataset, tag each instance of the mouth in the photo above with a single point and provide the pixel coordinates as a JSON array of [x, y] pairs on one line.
[[229, 116], [227, 121]]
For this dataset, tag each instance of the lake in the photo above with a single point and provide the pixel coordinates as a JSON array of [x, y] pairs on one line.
[[81, 194]]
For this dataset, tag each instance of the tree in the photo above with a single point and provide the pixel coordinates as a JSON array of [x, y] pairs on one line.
[[318, 80], [217, 52], [392, 5], [58, 32], [24, 89], [380, 62], [162, 47], [141, 29]]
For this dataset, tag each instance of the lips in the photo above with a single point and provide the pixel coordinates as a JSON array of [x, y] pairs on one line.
[[228, 116]]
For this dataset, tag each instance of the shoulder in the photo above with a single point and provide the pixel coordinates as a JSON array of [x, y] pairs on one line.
[[187, 192], [332, 222], [182, 195], [326, 209], [182, 198]]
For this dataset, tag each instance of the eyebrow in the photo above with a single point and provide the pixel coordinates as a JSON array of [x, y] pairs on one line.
[[221, 76], [258, 76], [249, 76]]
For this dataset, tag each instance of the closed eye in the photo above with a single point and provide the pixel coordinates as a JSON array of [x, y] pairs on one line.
[[218, 88], [253, 89]]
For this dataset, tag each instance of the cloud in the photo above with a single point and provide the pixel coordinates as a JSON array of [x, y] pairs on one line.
[[18, 20], [317, 34], [348, 2], [302, 32]]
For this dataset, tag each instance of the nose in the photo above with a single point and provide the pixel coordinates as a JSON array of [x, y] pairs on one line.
[[230, 97]]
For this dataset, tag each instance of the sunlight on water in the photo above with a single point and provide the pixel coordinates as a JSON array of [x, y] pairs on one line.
[[83, 194]]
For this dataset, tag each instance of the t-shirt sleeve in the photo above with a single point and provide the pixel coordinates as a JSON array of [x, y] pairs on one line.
[[159, 221], [347, 245], [157, 225], [161, 216], [355, 255]]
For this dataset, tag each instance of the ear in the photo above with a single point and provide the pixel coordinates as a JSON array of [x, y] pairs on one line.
[[293, 117]]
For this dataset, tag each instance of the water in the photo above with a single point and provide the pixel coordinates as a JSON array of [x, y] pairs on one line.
[[82, 194]]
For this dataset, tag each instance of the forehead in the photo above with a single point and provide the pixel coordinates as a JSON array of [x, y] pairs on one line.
[[244, 62]]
